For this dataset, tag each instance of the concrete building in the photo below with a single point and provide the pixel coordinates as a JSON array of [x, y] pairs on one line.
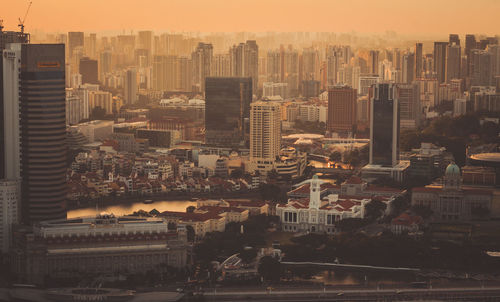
[[102, 99], [452, 201], [265, 135], [99, 245], [130, 89], [317, 215], [88, 70], [410, 108], [440, 59], [96, 130], [366, 82]]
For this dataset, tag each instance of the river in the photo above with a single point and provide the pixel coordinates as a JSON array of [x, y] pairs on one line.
[[125, 209]]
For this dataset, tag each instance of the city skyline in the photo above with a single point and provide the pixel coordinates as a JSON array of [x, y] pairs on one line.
[[220, 16]]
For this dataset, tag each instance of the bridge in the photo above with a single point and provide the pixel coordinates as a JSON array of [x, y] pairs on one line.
[[349, 266]]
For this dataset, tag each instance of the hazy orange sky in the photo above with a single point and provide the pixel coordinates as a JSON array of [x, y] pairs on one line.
[[402, 16]]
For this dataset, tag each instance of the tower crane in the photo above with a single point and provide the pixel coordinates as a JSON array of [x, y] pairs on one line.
[[21, 22]]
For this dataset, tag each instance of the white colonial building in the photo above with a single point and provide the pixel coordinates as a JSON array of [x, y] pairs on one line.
[[316, 215], [452, 201]]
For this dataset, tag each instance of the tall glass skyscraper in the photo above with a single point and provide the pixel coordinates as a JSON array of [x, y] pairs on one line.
[[227, 110], [384, 130]]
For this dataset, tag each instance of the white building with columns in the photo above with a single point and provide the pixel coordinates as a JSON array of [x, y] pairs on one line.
[[318, 215]]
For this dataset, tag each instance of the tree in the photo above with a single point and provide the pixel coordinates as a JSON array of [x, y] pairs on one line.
[[270, 192], [190, 209], [190, 233], [237, 173], [480, 211], [423, 211], [399, 205], [335, 156], [247, 255], [269, 268], [374, 209]]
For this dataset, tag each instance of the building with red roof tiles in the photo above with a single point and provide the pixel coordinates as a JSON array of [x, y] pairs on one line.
[[314, 214], [452, 201], [406, 223]]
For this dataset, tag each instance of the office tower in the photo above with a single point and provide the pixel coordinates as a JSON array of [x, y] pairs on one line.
[[88, 70], [104, 64], [410, 110], [227, 109], [440, 60], [130, 94], [273, 66], [470, 44], [384, 128], [185, 74], [43, 132], [75, 39], [365, 83], [418, 60], [373, 63], [342, 114], [265, 131], [9, 85], [202, 60], [9, 214], [237, 54], [408, 69], [142, 58], [334, 61], [480, 68], [397, 58], [453, 62], [454, 38]]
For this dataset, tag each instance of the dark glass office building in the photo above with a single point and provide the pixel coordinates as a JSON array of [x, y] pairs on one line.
[[384, 131], [88, 70], [227, 110], [43, 132]]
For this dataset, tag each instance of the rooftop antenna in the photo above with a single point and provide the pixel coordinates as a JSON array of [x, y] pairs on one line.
[[21, 22]]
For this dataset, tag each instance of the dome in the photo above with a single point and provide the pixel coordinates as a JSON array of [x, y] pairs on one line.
[[315, 176], [452, 170]]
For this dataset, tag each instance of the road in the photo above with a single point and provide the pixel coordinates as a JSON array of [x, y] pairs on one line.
[[442, 294]]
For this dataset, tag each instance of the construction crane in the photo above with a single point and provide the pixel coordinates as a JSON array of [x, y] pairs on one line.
[[21, 22]]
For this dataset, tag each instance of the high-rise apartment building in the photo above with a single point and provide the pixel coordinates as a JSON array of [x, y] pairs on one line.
[[440, 60], [265, 131], [105, 65], [130, 83], [408, 70], [227, 109], [43, 132], [9, 214], [75, 39], [273, 66], [342, 113], [480, 68], [202, 60], [453, 62], [374, 61]]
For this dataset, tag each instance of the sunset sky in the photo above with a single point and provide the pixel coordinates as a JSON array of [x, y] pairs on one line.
[[402, 16]]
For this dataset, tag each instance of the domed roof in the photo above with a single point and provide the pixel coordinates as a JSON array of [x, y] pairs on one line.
[[315, 176], [452, 169]]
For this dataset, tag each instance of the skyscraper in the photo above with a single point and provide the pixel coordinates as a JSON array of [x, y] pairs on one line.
[[75, 39], [130, 94], [43, 132], [454, 38], [88, 70], [9, 91], [418, 60], [251, 63], [374, 61], [480, 68], [227, 109], [341, 109], [440, 60], [274, 66], [410, 109], [202, 60], [265, 132], [408, 69], [384, 130], [453, 62]]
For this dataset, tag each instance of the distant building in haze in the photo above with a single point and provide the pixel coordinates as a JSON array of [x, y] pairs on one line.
[[88, 70], [342, 109]]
